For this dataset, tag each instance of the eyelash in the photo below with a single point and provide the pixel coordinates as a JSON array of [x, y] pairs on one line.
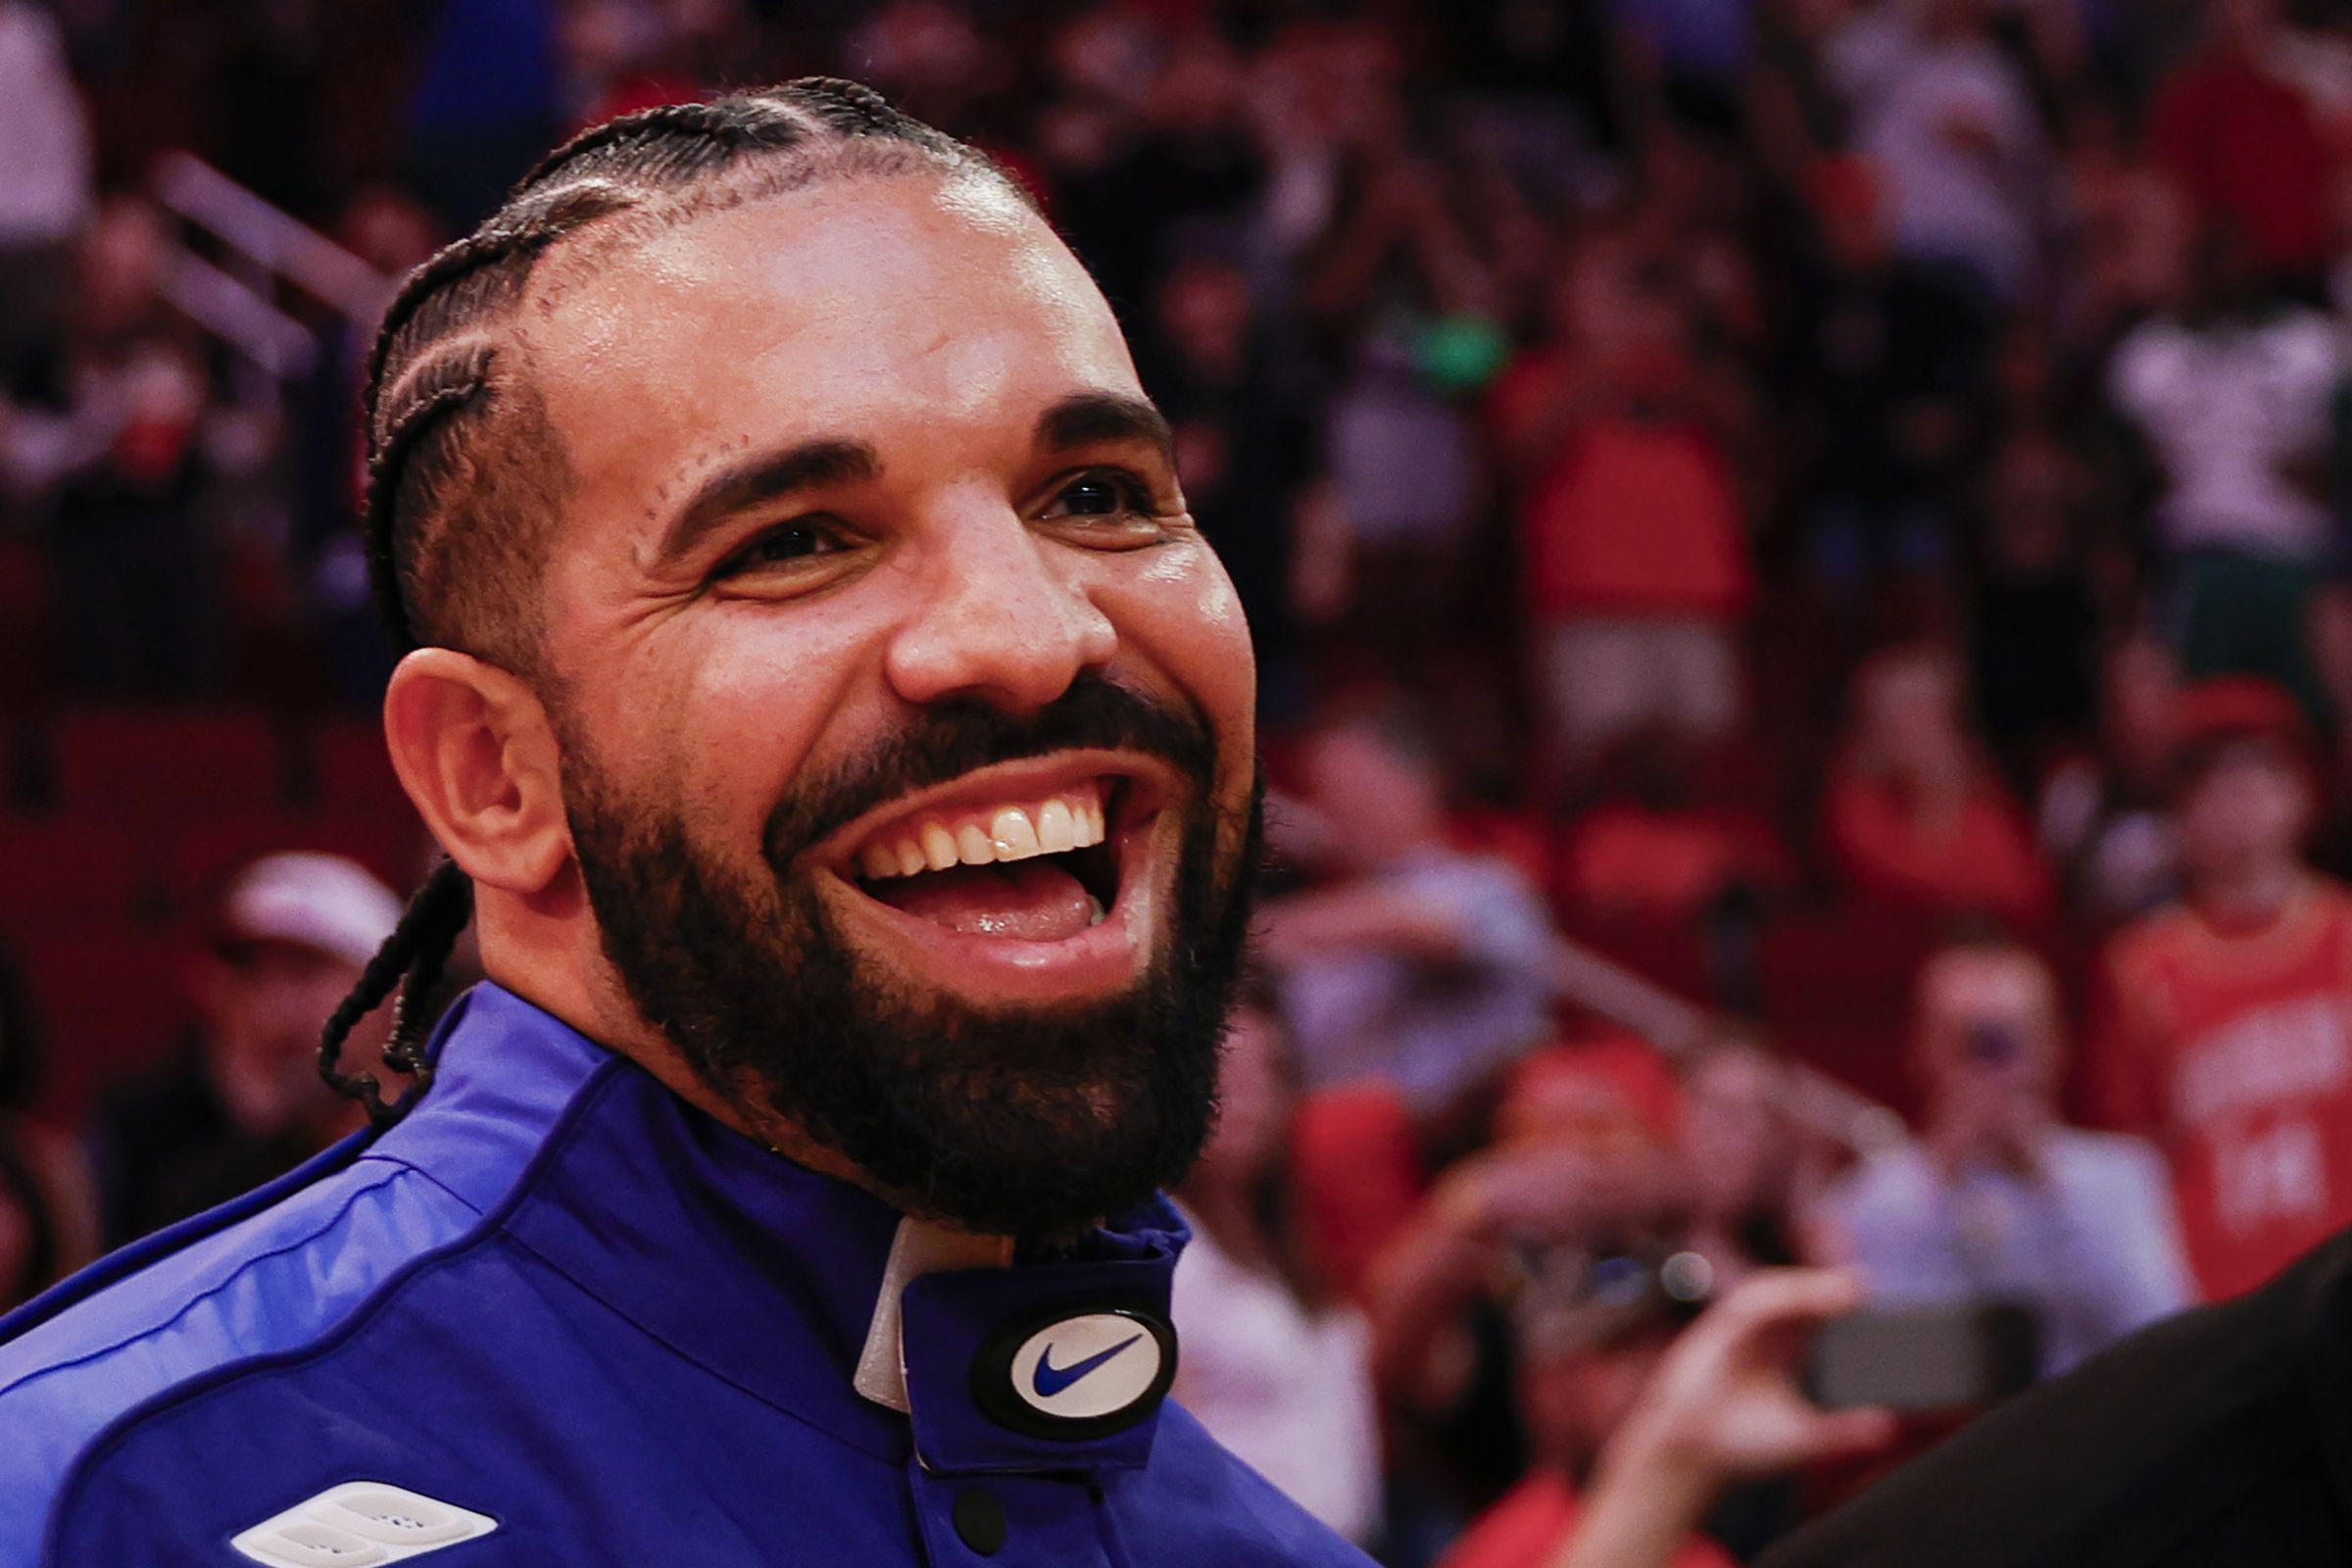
[[1134, 495]]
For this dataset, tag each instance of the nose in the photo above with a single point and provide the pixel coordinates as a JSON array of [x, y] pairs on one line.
[[1003, 618]]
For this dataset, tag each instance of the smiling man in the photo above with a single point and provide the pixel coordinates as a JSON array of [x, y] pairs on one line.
[[841, 739]]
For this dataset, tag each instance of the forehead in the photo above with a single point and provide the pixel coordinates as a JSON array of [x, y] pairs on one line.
[[936, 305]]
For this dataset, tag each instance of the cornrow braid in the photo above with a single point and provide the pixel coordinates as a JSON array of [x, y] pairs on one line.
[[464, 479], [410, 963]]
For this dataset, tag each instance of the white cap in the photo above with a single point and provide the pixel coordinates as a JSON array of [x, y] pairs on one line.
[[312, 900]]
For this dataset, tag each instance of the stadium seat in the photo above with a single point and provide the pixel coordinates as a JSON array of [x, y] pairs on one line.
[[199, 854], [1835, 993], [69, 869], [352, 773], [157, 762], [112, 1002]]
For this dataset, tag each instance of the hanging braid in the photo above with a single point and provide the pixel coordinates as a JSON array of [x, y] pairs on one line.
[[411, 962], [467, 480]]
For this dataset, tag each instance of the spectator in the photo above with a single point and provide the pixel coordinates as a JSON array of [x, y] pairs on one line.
[[2104, 814], [121, 460], [1721, 1405], [1277, 1371], [1653, 849], [2240, 137], [1947, 114], [1635, 537], [1998, 1201], [1748, 1165], [1581, 1157], [244, 1102], [1915, 817], [2033, 634], [1591, 1328], [2225, 1038], [48, 1212], [1884, 355], [2230, 392], [45, 191], [1415, 963]]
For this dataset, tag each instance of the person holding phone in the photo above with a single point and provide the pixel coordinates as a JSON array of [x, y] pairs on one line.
[[1998, 1201], [1722, 1406]]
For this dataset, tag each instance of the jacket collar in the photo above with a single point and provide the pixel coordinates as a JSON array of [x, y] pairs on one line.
[[762, 1272]]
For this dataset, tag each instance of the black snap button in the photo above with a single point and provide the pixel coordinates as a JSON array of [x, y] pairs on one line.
[[980, 1521]]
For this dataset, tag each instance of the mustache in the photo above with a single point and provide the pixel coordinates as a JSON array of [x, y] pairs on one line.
[[953, 738]]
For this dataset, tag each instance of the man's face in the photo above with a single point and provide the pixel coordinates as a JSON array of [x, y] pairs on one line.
[[907, 719], [264, 1004], [1988, 1029], [2248, 811]]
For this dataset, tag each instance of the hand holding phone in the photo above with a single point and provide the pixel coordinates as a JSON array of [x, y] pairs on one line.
[[1923, 1360]]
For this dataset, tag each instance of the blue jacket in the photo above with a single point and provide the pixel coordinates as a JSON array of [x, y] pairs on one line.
[[558, 1315]]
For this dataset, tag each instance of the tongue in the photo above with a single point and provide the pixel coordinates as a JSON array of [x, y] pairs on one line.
[[1034, 901]]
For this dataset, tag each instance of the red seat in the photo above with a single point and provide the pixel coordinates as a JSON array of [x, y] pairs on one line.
[[112, 1001], [157, 762], [355, 773], [1835, 991], [68, 868], [202, 853]]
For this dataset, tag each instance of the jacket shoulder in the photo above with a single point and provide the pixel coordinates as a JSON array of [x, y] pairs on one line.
[[267, 1284]]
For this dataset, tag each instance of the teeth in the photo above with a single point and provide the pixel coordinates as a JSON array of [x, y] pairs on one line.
[[1014, 834]]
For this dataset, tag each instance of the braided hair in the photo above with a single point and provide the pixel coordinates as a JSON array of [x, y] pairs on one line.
[[466, 478]]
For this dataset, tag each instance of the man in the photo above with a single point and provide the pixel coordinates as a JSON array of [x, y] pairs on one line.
[[1997, 1201], [1417, 965], [842, 740], [2228, 1037], [2217, 1438], [289, 937]]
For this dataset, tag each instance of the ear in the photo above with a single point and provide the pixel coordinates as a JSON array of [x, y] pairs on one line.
[[475, 750]]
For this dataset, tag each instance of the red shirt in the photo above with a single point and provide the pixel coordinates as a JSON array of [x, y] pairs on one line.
[[1536, 1518], [1982, 861], [1631, 516], [2245, 145], [2234, 1053]]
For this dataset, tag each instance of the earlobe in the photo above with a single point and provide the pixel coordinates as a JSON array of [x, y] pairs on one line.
[[475, 752]]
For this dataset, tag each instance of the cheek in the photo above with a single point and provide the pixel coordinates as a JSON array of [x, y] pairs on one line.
[[1178, 615], [720, 718]]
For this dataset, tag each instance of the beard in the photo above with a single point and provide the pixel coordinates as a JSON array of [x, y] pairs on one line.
[[1025, 1121]]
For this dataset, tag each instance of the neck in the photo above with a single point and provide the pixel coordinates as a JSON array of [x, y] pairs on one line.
[[600, 1008]]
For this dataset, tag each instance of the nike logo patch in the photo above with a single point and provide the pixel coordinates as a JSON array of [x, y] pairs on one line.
[[1050, 1380]]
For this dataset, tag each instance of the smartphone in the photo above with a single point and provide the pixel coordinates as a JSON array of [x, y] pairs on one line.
[[1925, 1358]]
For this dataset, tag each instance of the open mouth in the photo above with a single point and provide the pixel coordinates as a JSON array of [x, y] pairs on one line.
[[1052, 866], [1040, 868]]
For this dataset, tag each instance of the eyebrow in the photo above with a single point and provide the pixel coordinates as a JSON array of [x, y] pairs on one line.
[[1091, 418], [1081, 420]]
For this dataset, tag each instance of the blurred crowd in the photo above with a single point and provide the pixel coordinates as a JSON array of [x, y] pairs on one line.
[[1829, 511]]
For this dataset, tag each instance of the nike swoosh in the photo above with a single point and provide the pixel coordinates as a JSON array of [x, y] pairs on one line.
[[1050, 1380]]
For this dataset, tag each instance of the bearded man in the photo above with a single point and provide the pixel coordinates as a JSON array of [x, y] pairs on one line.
[[841, 739]]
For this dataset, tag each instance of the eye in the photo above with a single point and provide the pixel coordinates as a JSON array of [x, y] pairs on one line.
[[786, 544], [1112, 494]]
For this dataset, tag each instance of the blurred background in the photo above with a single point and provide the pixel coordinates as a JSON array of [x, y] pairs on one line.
[[1797, 553]]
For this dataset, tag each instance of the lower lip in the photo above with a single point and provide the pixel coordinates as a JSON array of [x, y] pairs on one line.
[[1104, 956]]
